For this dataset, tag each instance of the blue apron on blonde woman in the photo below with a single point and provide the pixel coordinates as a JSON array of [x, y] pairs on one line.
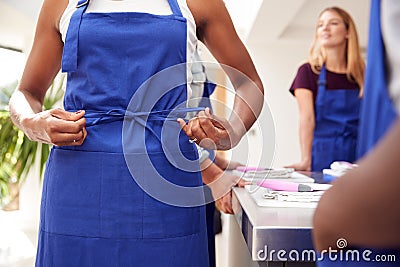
[[95, 199], [336, 125]]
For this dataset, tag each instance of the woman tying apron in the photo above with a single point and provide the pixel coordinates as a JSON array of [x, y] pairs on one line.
[[90, 199], [122, 185]]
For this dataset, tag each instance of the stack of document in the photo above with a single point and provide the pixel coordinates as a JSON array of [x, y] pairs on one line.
[[313, 196], [259, 173], [266, 197]]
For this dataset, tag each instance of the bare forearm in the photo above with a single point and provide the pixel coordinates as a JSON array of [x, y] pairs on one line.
[[23, 105], [247, 107], [210, 172], [306, 133]]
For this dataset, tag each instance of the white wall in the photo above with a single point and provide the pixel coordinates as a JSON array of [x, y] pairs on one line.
[[277, 65], [16, 28]]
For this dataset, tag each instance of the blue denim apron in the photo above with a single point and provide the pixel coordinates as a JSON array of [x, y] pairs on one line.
[[376, 116], [94, 211], [336, 123]]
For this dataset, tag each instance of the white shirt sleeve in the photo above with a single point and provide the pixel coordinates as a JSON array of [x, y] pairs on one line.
[[390, 21], [203, 154]]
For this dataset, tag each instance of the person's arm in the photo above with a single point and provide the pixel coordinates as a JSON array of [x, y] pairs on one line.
[[305, 104], [54, 126], [363, 205], [220, 183], [225, 164], [215, 29]]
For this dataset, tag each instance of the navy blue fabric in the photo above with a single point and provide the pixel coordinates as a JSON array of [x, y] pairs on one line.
[[205, 101], [336, 125], [377, 110], [93, 211], [210, 210]]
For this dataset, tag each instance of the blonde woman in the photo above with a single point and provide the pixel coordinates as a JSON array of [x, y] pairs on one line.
[[328, 89]]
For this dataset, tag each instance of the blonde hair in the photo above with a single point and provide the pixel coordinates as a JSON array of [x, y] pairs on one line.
[[354, 61]]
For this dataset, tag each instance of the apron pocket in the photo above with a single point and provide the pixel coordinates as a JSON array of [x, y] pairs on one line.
[[72, 193]]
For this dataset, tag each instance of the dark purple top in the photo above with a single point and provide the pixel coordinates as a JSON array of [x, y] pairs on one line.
[[307, 79]]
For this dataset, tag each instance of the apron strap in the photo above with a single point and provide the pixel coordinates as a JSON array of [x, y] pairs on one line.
[[321, 85], [70, 62], [175, 7], [322, 77], [94, 118], [97, 117]]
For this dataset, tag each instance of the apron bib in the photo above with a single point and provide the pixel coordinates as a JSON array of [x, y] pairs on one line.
[[336, 122], [95, 211]]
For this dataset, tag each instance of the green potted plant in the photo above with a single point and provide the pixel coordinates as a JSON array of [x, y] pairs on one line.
[[17, 153]]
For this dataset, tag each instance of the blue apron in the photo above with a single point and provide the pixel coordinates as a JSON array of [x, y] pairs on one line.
[[377, 110], [94, 211], [336, 123], [377, 114], [208, 89]]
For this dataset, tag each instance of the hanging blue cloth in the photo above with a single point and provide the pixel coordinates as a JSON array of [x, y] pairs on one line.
[[336, 124], [127, 70], [377, 110]]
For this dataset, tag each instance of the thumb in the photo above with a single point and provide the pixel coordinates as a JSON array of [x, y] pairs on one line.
[[66, 115], [242, 183], [182, 123]]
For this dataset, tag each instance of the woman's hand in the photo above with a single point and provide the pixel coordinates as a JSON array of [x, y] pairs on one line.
[[222, 191], [210, 131], [56, 126], [304, 165]]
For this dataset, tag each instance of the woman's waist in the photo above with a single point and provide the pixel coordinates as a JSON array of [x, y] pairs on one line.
[[131, 137], [145, 118]]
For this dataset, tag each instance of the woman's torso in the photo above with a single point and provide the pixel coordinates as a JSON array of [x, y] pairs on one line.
[[122, 44], [307, 79]]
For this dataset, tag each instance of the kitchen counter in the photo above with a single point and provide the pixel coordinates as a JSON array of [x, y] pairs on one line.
[[275, 236]]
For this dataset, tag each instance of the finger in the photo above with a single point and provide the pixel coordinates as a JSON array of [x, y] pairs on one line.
[[196, 130], [289, 166], [221, 205], [67, 139], [185, 127], [66, 115], [242, 183], [71, 139], [182, 123], [210, 127], [62, 126], [228, 203]]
